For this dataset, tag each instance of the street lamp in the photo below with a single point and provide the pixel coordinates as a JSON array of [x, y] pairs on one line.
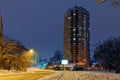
[[31, 50]]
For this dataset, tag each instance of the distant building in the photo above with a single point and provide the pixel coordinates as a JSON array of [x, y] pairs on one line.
[[77, 36], [1, 29], [36, 58]]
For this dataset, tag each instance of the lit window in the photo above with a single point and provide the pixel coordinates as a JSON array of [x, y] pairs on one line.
[[84, 60], [74, 29], [69, 18], [74, 38], [74, 14]]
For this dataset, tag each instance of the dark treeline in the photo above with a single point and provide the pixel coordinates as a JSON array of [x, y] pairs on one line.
[[107, 53]]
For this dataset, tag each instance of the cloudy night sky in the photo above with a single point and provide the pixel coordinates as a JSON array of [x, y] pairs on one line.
[[39, 24]]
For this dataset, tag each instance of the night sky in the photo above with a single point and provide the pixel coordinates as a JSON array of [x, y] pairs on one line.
[[39, 24]]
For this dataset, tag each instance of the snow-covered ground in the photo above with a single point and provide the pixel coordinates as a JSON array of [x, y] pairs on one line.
[[82, 75], [70, 75], [29, 70]]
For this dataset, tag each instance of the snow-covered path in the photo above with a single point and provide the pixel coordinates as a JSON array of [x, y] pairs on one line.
[[82, 75]]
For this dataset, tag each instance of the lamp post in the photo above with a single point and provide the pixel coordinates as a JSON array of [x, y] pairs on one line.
[[29, 54]]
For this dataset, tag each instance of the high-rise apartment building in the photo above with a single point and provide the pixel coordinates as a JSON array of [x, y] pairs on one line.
[[77, 36], [1, 29]]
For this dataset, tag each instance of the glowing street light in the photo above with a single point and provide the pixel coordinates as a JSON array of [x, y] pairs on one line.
[[31, 50], [30, 53]]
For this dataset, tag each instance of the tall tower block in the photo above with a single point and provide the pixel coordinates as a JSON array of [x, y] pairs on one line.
[[77, 36], [1, 29]]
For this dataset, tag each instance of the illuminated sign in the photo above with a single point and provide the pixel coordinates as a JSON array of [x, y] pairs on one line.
[[64, 62]]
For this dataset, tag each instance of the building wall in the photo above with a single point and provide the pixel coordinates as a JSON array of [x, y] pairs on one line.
[[36, 58], [77, 36], [1, 29]]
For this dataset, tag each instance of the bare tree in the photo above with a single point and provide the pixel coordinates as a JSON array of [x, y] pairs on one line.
[[107, 53], [58, 56]]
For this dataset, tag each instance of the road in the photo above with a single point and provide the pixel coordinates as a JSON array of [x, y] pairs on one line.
[[31, 74], [82, 75]]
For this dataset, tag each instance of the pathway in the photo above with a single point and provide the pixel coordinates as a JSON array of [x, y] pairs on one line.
[[82, 75]]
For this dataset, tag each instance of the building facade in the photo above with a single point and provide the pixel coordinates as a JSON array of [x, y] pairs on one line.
[[1, 29], [77, 36], [36, 58]]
